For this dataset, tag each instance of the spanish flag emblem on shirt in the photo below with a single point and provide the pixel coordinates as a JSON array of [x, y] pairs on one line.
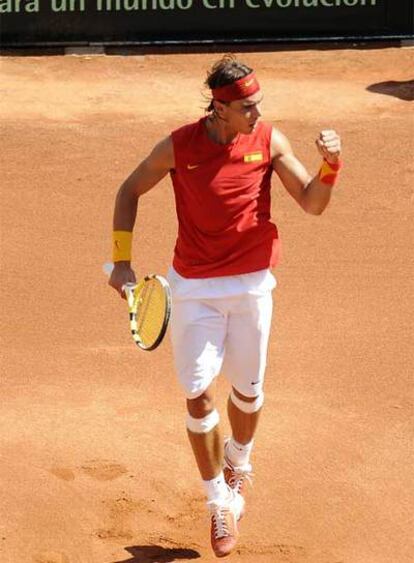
[[253, 157]]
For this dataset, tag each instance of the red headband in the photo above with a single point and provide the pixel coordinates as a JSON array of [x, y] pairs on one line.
[[238, 90]]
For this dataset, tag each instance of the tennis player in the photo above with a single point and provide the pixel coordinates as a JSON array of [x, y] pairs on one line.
[[221, 280]]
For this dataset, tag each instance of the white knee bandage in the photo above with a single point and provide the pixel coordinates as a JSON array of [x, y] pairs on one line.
[[245, 406], [203, 425]]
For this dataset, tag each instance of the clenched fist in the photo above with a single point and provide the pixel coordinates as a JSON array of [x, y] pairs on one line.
[[329, 145]]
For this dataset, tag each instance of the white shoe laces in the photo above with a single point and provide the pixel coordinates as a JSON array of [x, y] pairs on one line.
[[238, 476], [220, 522]]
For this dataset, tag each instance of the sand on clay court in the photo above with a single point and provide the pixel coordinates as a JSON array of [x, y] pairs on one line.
[[95, 466]]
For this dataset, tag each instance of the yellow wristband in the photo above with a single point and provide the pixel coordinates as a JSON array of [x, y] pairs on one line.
[[121, 246]]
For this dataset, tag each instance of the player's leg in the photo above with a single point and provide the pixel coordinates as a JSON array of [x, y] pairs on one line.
[[198, 331], [204, 435], [244, 413], [246, 352], [225, 505]]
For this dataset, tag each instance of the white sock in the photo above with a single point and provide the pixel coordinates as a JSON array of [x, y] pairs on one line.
[[238, 454], [217, 488]]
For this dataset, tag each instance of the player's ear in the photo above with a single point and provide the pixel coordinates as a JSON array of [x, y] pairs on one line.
[[219, 108]]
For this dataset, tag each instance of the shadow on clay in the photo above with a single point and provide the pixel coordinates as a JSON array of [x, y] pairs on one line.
[[404, 90], [158, 554]]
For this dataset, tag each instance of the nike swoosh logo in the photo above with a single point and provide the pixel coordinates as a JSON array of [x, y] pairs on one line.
[[192, 166], [248, 83]]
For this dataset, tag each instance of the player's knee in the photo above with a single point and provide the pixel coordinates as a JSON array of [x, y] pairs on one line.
[[204, 424], [201, 405], [247, 405]]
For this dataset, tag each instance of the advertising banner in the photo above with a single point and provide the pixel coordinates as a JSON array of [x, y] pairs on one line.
[[65, 22]]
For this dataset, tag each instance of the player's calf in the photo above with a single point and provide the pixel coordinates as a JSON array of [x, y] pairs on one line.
[[237, 468]]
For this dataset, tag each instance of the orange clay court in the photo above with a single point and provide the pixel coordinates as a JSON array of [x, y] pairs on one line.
[[95, 462]]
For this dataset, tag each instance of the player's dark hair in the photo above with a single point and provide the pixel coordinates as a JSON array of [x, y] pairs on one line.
[[225, 71]]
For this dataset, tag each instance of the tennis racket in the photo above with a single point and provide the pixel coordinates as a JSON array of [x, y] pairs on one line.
[[149, 307]]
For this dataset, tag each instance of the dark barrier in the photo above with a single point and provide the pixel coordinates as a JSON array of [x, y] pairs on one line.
[[66, 22]]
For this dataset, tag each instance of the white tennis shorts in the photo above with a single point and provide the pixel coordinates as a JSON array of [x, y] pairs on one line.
[[221, 325]]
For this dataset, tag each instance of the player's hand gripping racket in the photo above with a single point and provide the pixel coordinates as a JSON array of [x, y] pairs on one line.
[[149, 306]]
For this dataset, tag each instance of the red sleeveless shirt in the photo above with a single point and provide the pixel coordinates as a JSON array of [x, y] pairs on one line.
[[222, 197]]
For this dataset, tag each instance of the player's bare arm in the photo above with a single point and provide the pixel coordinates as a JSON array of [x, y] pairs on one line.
[[147, 175], [311, 193]]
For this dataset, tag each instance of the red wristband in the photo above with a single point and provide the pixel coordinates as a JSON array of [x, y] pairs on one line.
[[329, 172]]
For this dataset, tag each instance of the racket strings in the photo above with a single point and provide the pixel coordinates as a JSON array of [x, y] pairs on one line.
[[149, 317]]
